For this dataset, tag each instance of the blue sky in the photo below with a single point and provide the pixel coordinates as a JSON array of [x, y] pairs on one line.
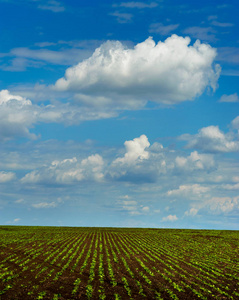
[[119, 113]]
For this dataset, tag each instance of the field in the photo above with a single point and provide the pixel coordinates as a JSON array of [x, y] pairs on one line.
[[118, 263]]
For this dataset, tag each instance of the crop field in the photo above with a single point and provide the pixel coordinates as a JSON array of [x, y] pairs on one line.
[[118, 263]]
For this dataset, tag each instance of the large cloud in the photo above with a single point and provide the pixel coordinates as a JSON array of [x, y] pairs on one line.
[[212, 139], [168, 72]]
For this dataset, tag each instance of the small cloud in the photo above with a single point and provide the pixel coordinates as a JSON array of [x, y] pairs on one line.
[[189, 191], [213, 17], [122, 17], [44, 205], [202, 33], [20, 201], [138, 5], [16, 220], [145, 209], [170, 218], [7, 176], [53, 6], [219, 24], [162, 29], [192, 212], [229, 98]]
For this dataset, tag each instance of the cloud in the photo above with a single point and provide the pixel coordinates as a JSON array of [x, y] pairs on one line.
[[6, 176], [228, 54], [231, 186], [45, 205], [235, 123], [192, 212], [168, 72], [22, 58], [139, 5], [135, 151], [53, 6], [195, 162], [189, 191], [202, 33], [162, 29], [171, 218], [229, 98], [133, 166], [219, 24], [18, 115], [218, 205], [211, 139], [122, 17], [68, 171]]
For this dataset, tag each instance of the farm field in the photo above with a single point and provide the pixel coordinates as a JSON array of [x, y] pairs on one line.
[[118, 263]]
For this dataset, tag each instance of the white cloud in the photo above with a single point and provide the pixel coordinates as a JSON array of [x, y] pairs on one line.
[[235, 123], [134, 165], [162, 29], [18, 115], [195, 161], [6, 97], [170, 218], [68, 171], [45, 205], [189, 191], [212, 139], [6, 176], [138, 5], [135, 151], [192, 212], [219, 205], [16, 220], [168, 72], [229, 98], [231, 186], [145, 209]]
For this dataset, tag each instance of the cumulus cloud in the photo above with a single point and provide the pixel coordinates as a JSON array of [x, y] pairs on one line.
[[212, 139], [192, 212], [18, 115], [167, 72], [219, 205], [68, 171], [194, 162], [170, 218], [135, 151], [189, 191], [133, 166], [229, 98], [162, 29], [6, 176]]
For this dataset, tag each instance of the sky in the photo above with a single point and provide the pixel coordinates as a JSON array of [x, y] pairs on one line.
[[119, 114]]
